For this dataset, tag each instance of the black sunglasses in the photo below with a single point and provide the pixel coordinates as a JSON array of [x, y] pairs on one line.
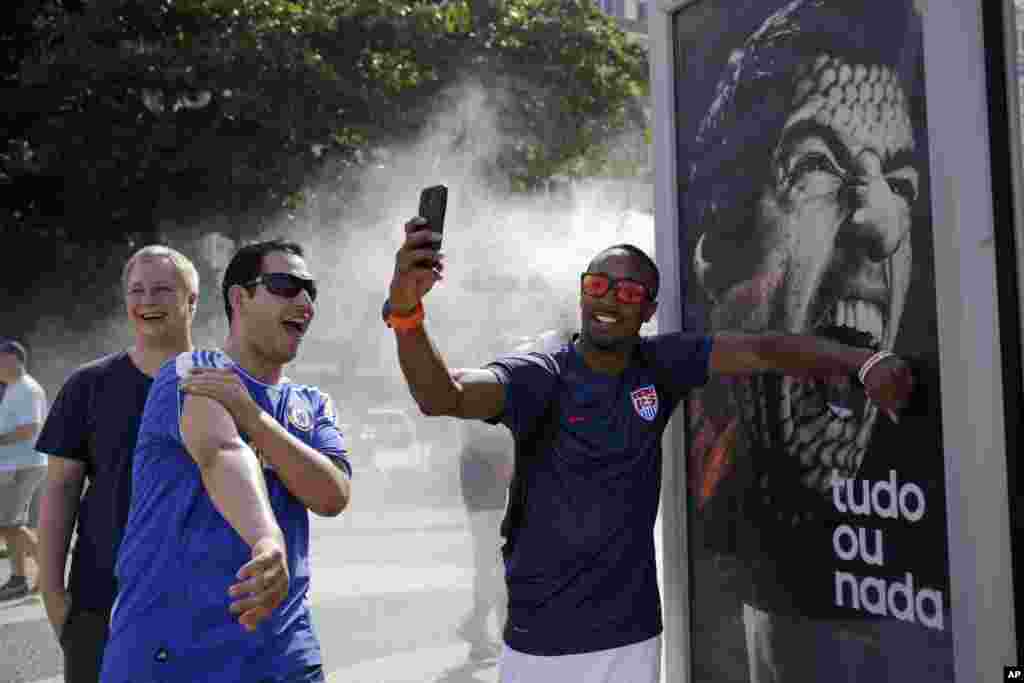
[[285, 284]]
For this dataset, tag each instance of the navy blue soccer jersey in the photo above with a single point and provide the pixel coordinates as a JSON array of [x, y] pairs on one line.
[[171, 620], [582, 574]]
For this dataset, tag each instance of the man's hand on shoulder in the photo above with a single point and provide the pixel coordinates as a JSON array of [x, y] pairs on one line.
[[225, 387]]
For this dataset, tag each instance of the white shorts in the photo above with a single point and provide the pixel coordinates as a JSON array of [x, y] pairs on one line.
[[636, 663]]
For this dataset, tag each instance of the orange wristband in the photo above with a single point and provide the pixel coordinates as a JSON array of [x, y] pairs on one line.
[[404, 323]]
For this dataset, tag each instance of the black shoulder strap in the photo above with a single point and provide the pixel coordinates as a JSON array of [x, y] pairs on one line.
[[528, 448]]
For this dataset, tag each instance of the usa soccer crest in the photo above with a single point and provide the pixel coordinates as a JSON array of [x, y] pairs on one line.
[[645, 402], [300, 416]]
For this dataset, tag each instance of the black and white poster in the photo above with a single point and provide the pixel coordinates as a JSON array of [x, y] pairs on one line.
[[817, 544]]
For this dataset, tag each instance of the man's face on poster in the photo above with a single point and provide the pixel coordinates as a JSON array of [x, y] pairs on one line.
[[829, 248]]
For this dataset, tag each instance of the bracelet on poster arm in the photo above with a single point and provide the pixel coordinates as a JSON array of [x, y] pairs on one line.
[[871, 362]]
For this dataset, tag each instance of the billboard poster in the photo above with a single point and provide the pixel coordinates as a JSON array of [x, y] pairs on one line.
[[817, 526]]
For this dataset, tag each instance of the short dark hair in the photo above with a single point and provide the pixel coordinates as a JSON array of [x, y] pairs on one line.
[[15, 348], [640, 256], [247, 265]]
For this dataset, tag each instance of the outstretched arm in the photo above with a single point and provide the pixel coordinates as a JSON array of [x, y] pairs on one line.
[[476, 393], [734, 353], [233, 478], [889, 382]]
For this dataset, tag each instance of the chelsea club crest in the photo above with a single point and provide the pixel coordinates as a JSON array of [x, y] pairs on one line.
[[300, 416]]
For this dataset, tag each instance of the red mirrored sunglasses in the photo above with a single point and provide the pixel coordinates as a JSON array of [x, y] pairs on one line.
[[627, 291]]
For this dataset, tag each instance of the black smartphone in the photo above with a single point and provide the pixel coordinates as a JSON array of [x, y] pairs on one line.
[[433, 202]]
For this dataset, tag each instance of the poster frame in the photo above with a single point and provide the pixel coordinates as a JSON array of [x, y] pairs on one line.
[[1004, 67], [970, 65]]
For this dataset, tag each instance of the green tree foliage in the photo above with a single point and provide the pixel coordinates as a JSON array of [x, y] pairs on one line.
[[118, 113], [576, 83]]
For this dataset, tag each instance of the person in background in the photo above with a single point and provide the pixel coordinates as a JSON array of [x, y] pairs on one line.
[[89, 436], [22, 467], [485, 469]]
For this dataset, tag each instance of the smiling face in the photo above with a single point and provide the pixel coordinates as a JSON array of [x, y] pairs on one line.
[[159, 304], [607, 324], [831, 251], [272, 325]]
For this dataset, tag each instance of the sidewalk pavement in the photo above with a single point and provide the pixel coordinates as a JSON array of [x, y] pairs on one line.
[[394, 518], [425, 665]]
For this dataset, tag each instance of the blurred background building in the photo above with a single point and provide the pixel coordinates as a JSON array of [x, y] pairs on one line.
[[631, 16]]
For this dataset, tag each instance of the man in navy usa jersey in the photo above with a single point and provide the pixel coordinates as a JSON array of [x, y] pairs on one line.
[[213, 573], [583, 595]]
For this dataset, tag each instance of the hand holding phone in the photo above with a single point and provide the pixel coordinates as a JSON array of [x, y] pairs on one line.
[[433, 203], [414, 274]]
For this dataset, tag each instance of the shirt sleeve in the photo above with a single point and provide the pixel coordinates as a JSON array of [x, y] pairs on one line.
[[39, 404], [683, 360], [23, 407], [168, 382], [528, 379], [65, 432], [327, 438]]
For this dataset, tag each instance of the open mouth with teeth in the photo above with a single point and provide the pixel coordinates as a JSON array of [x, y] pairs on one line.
[[605, 319], [296, 326], [821, 426], [857, 323], [153, 317]]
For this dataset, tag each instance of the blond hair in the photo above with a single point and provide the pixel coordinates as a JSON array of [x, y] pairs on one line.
[[186, 270]]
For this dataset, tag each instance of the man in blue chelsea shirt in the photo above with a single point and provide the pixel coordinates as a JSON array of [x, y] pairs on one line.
[[213, 573], [583, 595]]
